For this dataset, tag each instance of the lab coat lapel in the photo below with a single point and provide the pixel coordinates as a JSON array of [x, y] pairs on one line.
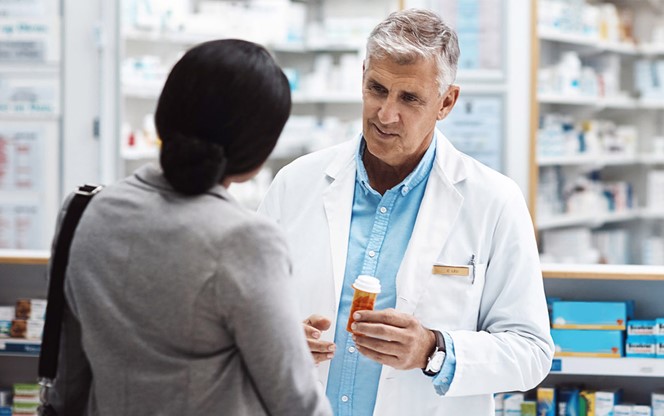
[[338, 204], [438, 212]]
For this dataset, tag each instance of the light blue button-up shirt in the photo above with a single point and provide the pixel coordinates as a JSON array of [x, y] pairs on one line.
[[380, 228]]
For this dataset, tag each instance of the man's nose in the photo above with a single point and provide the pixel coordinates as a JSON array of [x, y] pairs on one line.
[[388, 112]]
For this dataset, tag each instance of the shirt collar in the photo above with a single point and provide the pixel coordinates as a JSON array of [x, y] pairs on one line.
[[413, 179]]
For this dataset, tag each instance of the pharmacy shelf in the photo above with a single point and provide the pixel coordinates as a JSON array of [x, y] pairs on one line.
[[38, 257], [464, 75], [140, 154], [149, 93], [589, 101], [651, 103], [183, 39], [327, 98], [650, 159], [590, 160], [652, 214], [15, 347], [45, 68], [626, 272], [348, 47], [29, 117], [553, 35], [188, 39], [651, 49], [589, 220], [624, 367], [140, 92]]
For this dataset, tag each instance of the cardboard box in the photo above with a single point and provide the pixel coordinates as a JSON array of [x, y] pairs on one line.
[[659, 326], [587, 403], [657, 403], [622, 410], [546, 401], [659, 346], [588, 343], [499, 400], [641, 411], [31, 309], [641, 346], [592, 315], [605, 401], [568, 400], [512, 404], [529, 408], [641, 327]]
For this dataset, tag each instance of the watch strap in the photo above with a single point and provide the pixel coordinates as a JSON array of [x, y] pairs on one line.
[[439, 348]]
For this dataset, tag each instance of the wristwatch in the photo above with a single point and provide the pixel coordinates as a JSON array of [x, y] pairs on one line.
[[436, 360]]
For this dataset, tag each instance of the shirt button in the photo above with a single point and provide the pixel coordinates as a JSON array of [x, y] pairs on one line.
[[344, 399], [351, 349], [406, 189], [383, 210], [372, 253]]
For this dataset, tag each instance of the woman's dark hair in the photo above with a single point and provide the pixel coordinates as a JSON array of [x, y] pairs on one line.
[[220, 113]]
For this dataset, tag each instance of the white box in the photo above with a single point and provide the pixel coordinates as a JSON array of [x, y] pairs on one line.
[[657, 404], [622, 410], [605, 401], [641, 411], [512, 404], [499, 399]]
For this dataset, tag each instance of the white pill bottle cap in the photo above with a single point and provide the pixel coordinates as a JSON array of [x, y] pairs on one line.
[[367, 284]]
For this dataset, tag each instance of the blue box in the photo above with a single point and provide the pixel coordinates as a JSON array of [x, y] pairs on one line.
[[546, 401], [568, 401], [588, 343], [592, 315], [641, 346], [641, 327], [659, 346], [659, 326]]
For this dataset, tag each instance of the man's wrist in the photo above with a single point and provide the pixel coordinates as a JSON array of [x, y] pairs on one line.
[[437, 355]]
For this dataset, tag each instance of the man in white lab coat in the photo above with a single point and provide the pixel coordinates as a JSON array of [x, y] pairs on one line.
[[462, 313]]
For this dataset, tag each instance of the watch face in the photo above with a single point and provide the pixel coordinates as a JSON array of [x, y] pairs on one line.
[[436, 362]]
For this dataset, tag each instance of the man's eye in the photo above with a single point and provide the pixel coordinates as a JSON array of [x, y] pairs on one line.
[[377, 88], [410, 98]]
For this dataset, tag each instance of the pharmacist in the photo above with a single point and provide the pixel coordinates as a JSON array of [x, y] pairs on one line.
[[462, 313]]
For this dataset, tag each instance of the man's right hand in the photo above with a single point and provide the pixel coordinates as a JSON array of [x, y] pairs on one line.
[[313, 328]]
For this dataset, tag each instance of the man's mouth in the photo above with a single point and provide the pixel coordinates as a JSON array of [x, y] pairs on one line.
[[383, 132]]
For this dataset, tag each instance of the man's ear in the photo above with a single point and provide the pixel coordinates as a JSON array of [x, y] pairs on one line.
[[448, 101]]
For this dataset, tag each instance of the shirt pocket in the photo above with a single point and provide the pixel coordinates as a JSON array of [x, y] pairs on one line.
[[451, 300]]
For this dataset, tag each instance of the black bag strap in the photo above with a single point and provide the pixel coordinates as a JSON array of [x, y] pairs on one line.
[[50, 347]]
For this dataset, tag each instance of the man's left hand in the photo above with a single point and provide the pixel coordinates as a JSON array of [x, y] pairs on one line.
[[393, 338]]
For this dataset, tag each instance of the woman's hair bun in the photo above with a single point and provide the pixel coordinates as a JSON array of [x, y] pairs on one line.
[[191, 165]]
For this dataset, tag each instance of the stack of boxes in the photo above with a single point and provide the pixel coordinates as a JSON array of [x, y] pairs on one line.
[[5, 402], [25, 320], [573, 400], [29, 319], [26, 400], [645, 338], [590, 329]]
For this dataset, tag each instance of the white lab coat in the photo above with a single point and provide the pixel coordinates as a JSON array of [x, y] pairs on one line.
[[498, 322]]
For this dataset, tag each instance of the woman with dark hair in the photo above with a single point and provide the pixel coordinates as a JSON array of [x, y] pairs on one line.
[[179, 301]]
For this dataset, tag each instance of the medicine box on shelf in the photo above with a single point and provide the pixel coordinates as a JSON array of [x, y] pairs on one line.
[[588, 343], [592, 315]]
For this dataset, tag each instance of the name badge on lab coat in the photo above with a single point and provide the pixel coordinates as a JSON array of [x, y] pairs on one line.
[[451, 270]]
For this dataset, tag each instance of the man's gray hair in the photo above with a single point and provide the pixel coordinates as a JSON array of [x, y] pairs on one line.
[[408, 35]]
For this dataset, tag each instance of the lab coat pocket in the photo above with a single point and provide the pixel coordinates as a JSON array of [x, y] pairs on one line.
[[452, 297]]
